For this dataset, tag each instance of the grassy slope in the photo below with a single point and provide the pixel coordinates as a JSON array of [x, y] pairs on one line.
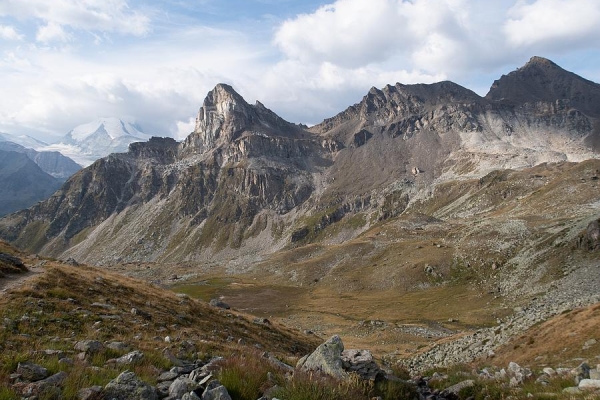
[[66, 304]]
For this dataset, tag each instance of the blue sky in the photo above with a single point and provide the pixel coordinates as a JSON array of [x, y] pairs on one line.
[[68, 62]]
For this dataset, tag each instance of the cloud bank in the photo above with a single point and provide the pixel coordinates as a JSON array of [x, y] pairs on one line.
[[67, 62]]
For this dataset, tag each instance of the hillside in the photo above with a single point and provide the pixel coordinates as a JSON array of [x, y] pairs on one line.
[[65, 308], [23, 182], [124, 337]]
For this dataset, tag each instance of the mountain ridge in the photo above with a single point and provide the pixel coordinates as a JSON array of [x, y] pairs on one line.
[[51, 162], [89, 142], [246, 181], [23, 182]]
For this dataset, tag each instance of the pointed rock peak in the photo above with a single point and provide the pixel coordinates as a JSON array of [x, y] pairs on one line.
[[222, 116], [542, 80], [374, 90], [540, 61], [223, 93]]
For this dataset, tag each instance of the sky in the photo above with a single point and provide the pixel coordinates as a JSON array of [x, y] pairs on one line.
[[67, 62]]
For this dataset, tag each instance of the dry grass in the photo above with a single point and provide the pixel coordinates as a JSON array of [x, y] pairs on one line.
[[559, 341], [66, 304], [7, 266]]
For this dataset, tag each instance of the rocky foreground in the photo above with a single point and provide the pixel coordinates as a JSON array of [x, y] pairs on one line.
[[329, 364]]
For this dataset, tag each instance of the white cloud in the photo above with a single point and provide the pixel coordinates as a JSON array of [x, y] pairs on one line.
[[313, 66], [356, 33], [554, 23], [93, 15], [9, 33], [52, 32], [184, 128], [349, 32]]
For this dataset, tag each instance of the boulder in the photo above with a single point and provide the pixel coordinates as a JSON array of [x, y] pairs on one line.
[[127, 386], [191, 396], [327, 358], [219, 304], [48, 388], [130, 358], [167, 376], [32, 372], [455, 389], [181, 386], [581, 372], [589, 384], [118, 346], [91, 393], [362, 363], [89, 346], [215, 391], [517, 374]]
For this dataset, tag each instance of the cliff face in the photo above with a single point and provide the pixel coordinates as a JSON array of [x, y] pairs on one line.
[[247, 182]]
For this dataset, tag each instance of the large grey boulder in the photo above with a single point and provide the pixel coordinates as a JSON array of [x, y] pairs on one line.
[[455, 389], [589, 384], [89, 346], [327, 358], [215, 391], [32, 372], [48, 388], [181, 386], [130, 358], [581, 372], [361, 362], [127, 386]]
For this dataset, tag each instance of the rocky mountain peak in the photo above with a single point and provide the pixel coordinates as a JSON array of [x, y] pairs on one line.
[[225, 116], [541, 80], [223, 113]]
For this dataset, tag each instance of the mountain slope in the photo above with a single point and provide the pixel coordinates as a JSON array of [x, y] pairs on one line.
[[51, 162], [88, 142], [23, 182]]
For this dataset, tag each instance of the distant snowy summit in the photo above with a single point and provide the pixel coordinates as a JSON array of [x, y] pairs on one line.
[[88, 142], [23, 140]]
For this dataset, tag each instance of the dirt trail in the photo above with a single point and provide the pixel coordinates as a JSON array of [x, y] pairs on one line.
[[14, 281]]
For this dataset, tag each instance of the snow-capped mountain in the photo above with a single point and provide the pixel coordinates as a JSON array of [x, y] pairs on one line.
[[88, 142], [23, 140]]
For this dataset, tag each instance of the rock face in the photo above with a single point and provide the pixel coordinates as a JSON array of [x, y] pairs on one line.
[[246, 182]]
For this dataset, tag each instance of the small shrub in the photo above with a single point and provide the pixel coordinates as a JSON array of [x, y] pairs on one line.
[[245, 376], [318, 387], [392, 390], [7, 393]]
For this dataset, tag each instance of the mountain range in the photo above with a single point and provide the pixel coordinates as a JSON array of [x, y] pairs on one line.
[[22, 140], [88, 142], [51, 162], [247, 183]]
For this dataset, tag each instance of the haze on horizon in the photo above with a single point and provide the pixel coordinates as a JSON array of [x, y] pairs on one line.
[[67, 62]]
